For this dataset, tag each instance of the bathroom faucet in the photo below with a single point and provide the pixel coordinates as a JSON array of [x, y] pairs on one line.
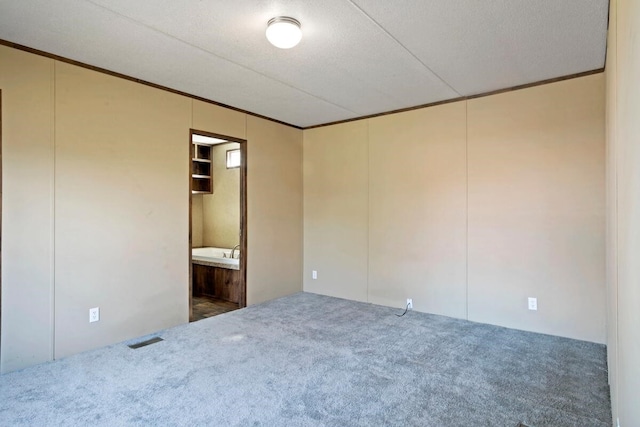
[[233, 251]]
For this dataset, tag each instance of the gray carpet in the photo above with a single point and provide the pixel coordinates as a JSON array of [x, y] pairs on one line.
[[311, 360]]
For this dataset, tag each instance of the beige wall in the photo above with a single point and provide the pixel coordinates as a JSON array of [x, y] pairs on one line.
[[623, 211], [274, 210], [336, 203], [221, 210], [121, 234], [26, 82], [471, 207], [417, 210], [536, 208], [215, 119], [115, 218]]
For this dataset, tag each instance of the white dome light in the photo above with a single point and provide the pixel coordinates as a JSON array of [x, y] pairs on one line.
[[284, 32]]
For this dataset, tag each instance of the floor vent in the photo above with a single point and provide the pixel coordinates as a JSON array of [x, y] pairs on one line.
[[146, 343]]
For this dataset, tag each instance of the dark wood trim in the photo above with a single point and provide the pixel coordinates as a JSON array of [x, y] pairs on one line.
[[242, 294], [242, 298], [539, 83], [191, 153], [386, 113], [606, 41], [462, 98], [136, 80]]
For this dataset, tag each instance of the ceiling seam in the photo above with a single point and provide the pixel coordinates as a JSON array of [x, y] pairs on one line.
[[377, 24], [218, 56]]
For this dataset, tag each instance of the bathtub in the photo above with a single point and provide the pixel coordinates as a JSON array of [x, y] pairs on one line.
[[216, 257]]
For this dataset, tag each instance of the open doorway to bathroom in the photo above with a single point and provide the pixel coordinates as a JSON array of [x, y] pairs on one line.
[[218, 224]]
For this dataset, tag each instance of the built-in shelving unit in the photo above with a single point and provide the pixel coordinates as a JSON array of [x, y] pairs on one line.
[[201, 181]]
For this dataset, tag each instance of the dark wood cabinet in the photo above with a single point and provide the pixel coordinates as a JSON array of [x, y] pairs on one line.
[[216, 282]]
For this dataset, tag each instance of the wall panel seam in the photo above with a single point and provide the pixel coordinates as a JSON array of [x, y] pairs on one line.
[[368, 144], [466, 154], [52, 290]]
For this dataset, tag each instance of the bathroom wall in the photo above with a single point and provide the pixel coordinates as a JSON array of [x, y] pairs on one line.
[[216, 217], [197, 222], [96, 206], [468, 208], [623, 210], [221, 210]]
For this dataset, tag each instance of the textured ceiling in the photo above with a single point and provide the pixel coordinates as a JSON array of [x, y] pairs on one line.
[[356, 58]]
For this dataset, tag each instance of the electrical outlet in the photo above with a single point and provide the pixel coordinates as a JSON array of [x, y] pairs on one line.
[[533, 303], [409, 304], [94, 314], [314, 275]]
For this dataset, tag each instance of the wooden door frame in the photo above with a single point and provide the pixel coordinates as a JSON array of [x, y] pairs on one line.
[[242, 300]]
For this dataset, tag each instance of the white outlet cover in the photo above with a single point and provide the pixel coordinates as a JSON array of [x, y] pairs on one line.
[[94, 314], [314, 274], [533, 303]]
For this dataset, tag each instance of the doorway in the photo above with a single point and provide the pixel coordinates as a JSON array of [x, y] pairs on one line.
[[217, 224]]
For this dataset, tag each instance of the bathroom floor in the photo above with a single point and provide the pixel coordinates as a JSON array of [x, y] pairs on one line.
[[204, 307]]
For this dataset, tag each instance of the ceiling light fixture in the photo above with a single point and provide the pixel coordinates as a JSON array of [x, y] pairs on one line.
[[284, 32]]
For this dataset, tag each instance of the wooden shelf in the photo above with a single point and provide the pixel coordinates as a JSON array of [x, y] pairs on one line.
[[201, 169]]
